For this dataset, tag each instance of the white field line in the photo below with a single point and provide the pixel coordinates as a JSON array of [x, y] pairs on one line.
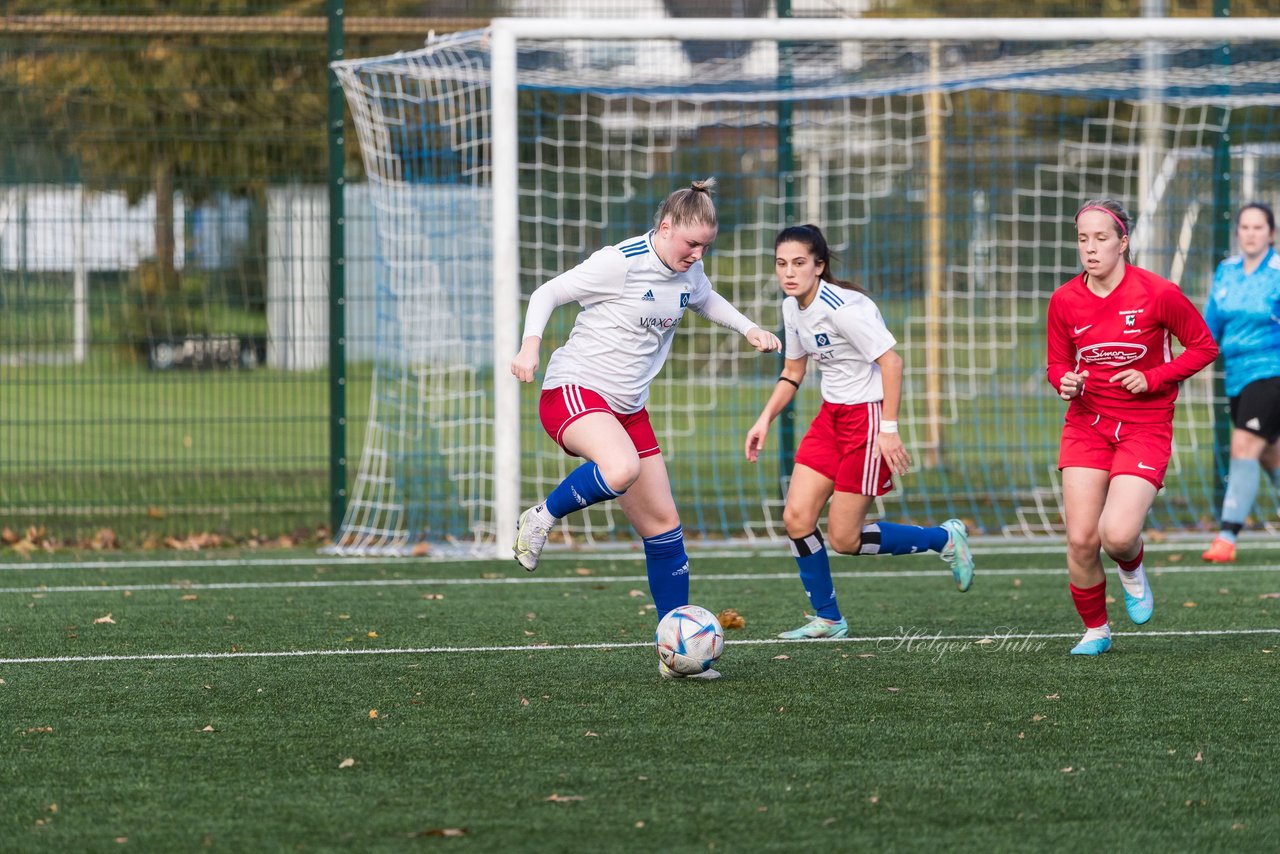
[[754, 550], [582, 579], [913, 641]]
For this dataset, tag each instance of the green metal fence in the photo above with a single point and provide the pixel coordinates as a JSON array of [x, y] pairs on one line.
[[174, 355]]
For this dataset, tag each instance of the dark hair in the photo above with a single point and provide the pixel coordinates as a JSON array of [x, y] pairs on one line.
[[1266, 212], [811, 236], [691, 205], [1121, 220]]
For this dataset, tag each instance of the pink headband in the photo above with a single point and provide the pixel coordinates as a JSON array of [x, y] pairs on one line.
[[1124, 232]]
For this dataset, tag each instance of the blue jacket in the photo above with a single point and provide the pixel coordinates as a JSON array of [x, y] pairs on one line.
[[1243, 315]]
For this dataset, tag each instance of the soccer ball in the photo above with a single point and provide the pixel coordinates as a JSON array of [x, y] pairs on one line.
[[689, 639]]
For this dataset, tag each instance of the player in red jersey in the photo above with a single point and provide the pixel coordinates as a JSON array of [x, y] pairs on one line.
[[1109, 354]]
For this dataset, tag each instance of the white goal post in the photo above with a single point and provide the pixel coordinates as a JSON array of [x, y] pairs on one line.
[[495, 87]]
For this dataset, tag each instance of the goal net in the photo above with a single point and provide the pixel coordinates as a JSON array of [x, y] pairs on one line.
[[943, 159]]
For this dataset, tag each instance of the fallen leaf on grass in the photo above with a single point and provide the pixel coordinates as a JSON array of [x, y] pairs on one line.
[[1270, 596], [893, 690], [433, 596], [867, 655], [1067, 770], [1199, 756], [209, 728], [1189, 605], [1174, 558], [563, 799], [524, 701], [984, 642], [1051, 696], [373, 713], [730, 619], [782, 658], [346, 763], [1017, 582], [634, 593], [1035, 719], [1022, 736], [590, 734], [106, 619], [582, 570], [190, 597], [874, 799], [1111, 600], [39, 729], [371, 634]]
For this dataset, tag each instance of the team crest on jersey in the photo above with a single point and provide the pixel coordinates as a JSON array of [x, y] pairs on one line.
[[822, 339], [1112, 354], [684, 300]]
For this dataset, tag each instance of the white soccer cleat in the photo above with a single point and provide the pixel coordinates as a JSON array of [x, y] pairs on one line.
[[668, 673], [531, 536]]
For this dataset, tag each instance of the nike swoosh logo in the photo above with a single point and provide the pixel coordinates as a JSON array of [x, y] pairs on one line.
[[1080, 329], [1147, 467]]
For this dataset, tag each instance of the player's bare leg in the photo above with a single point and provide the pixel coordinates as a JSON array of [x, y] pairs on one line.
[[1124, 515], [1084, 494], [598, 438]]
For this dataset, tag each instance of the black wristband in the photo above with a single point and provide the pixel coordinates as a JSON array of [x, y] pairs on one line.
[[788, 380]]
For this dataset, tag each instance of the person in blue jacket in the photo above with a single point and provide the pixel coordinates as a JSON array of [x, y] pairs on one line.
[[1243, 314]]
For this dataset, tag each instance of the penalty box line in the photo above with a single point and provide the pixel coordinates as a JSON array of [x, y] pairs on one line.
[[920, 639], [581, 579]]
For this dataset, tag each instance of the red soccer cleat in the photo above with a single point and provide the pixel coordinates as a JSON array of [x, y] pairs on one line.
[[1220, 551]]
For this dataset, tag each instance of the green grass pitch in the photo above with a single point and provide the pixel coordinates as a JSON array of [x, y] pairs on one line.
[[301, 703]]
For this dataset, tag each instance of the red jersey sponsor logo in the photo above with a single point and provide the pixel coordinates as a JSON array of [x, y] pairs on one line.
[[1113, 354]]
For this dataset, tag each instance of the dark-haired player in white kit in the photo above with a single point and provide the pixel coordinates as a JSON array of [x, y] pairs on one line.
[[633, 296], [852, 449]]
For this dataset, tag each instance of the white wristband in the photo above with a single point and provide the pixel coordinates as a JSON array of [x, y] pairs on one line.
[[888, 426]]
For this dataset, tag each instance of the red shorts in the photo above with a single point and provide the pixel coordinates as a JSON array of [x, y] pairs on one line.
[[560, 407], [1094, 441], [841, 446]]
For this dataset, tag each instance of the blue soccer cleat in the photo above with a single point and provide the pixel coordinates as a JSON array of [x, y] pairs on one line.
[[1140, 608], [957, 553], [818, 627], [1092, 646]]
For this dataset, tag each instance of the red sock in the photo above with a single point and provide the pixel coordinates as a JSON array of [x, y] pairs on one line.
[[1091, 604], [1131, 565]]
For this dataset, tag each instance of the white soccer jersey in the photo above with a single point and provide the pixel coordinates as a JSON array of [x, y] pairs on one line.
[[631, 305], [843, 332]]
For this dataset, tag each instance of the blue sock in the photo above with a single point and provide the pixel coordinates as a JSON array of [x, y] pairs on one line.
[[815, 574], [881, 538], [583, 487], [668, 567], [1242, 490]]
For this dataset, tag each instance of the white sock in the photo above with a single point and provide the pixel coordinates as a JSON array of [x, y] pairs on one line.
[[544, 515], [1102, 631], [1134, 582]]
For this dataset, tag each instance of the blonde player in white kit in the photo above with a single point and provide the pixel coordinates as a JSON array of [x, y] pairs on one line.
[[633, 296], [852, 449]]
